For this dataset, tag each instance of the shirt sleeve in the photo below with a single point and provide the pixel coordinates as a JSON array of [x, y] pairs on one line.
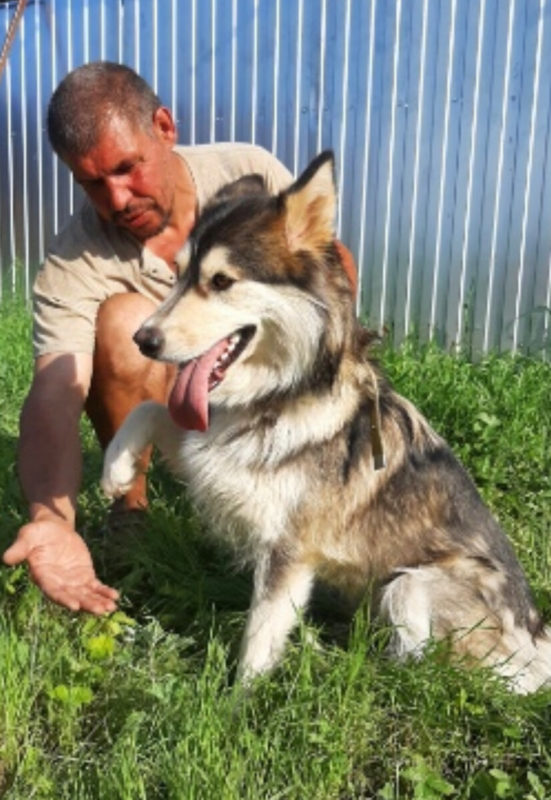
[[277, 176], [65, 305]]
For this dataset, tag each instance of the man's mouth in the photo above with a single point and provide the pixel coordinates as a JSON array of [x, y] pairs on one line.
[[135, 220], [188, 402]]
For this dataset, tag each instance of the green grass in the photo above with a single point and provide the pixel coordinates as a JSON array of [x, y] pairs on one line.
[[142, 704]]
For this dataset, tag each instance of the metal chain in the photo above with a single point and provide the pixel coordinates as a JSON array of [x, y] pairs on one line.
[[10, 34]]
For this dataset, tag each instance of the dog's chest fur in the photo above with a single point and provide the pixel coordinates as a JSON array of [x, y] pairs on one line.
[[287, 480], [244, 475], [281, 480]]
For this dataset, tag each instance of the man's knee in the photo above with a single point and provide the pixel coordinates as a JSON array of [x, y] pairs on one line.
[[122, 314], [118, 319], [122, 377]]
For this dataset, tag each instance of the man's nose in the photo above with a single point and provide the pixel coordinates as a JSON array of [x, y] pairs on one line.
[[118, 192]]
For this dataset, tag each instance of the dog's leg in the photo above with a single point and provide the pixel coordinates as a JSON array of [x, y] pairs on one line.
[[148, 423], [405, 603], [464, 601], [281, 590]]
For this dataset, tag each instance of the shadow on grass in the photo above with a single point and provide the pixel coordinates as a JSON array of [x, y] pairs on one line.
[[12, 502]]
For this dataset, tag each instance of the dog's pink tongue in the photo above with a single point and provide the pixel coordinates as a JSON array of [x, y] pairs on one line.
[[188, 403]]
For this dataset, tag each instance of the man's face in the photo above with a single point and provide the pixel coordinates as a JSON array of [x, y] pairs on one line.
[[129, 174]]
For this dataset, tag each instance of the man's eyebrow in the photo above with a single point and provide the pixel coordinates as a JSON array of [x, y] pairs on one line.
[[124, 165], [84, 178]]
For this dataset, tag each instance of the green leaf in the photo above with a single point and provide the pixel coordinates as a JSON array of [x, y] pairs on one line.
[[387, 792], [428, 784], [513, 732], [100, 647], [537, 786], [504, 783], [72, 696]]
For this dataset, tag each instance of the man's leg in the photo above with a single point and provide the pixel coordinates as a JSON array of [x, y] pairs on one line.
[[122, 377]]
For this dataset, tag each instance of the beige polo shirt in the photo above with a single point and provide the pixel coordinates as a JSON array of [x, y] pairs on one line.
[[91, 259]]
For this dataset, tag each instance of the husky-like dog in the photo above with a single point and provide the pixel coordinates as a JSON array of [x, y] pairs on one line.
[[310, 464]]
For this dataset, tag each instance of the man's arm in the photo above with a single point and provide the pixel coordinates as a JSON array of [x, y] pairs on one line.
[[348, 264], [49, 457], [50, 466]]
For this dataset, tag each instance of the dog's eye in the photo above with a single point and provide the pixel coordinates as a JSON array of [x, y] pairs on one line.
[[220, 281]]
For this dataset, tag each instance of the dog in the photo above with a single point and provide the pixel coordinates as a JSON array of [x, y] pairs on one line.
[[304, 458]]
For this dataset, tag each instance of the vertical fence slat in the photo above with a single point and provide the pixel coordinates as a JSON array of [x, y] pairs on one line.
[[298, 75], [174, 59], [275, 83], [343, 126], [193, 76], [55, 183], [254, 77], [39, 149], [233, 69], [504, 113], [528, 179], [416, 168], [321, 79], [470, 178], [366, 154], [442, 179], [382, 317], [11, 175], [70, 65], [24, 214], [137, 35]]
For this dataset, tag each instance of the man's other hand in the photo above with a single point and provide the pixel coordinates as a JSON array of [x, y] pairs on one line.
[[61, 566]]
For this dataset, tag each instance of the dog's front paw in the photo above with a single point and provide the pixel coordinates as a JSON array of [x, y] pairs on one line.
[[120, 470]]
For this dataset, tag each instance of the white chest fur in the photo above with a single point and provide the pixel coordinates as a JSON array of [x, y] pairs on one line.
[[229, 480]]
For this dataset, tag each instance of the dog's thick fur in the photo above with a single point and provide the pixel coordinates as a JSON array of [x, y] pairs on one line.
[[287, 468]]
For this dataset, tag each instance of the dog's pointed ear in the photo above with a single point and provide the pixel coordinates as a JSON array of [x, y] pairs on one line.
[[243, 187], [310, 205]]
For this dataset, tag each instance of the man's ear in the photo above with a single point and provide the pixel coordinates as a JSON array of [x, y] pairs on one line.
[[163, 125], [310, 205]]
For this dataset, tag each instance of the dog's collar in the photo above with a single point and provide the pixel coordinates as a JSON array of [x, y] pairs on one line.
[[376, 435]]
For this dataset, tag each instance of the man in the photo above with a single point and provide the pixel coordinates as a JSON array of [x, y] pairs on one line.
[[104, 274]]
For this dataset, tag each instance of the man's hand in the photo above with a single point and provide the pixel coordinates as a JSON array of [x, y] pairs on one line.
[[61, 566]]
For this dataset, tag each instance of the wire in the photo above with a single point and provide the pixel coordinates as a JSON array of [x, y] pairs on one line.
[[10, 34]]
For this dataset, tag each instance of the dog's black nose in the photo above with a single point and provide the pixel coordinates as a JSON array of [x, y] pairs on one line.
[[149, 340]]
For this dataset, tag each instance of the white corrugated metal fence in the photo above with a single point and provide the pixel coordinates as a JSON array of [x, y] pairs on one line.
[[438, 112]]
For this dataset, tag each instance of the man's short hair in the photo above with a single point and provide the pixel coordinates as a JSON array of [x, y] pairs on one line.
[[91, 94]]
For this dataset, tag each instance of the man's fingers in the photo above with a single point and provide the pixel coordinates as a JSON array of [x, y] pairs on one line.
[[95, 605], [97, 600], [91, 595], [17, 553], [82, 599], [105, 591]]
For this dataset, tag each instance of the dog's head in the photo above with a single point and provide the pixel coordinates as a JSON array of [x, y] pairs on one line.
[[263, 307]]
